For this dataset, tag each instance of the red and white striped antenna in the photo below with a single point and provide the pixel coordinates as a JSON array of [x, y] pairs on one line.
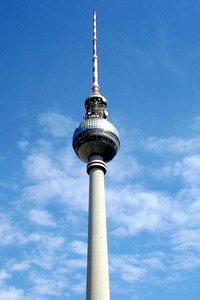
[[95, 86]]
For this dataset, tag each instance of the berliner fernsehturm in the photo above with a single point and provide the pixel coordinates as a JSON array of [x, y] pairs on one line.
[[96, 142]]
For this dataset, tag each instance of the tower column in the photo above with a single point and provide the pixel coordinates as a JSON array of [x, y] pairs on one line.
[[97, 259]]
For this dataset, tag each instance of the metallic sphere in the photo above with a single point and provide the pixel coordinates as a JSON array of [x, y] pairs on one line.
[[96, 136]]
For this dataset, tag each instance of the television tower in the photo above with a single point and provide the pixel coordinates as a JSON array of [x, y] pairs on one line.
[[96, 141]]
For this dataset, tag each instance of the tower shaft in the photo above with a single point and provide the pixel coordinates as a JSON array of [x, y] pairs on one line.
[[97, 260]]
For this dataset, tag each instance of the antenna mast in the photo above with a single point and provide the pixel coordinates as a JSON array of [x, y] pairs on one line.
[[95, 86]]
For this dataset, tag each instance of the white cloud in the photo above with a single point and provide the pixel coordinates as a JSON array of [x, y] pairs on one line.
[[49, 242], [78, 247], [41, 217], [172, 145], [9, 292], [21, 266], [121, 169], [34, 237], [196, 124], [8, 233], [12, 293], [3, 275], [44, 285], [56, 124], [154, 262], [64, 189], [185, 261], [55, 174], [54, 242], [39, 166], [76, 263], [79, 288], [128, 268], [134, 209], [23, 145], [189, 169], [187, 239]]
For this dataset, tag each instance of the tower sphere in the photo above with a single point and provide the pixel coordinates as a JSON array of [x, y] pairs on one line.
[[96, 136]]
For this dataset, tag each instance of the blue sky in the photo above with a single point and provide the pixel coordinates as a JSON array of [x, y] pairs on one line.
[[149, 56]]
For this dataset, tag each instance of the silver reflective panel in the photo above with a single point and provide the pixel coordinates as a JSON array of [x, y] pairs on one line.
[[93, 123], [96, 136]]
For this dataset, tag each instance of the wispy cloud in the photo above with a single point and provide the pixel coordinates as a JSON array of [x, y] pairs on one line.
[[55, 124], [11, 293], [196, 124], [78, 247], [41, 217], [173, 145]]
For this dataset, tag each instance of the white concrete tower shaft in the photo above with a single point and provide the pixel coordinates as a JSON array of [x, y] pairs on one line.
[[97, 261]]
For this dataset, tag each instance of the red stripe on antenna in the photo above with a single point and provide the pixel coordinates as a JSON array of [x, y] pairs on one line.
[[95, 86]]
